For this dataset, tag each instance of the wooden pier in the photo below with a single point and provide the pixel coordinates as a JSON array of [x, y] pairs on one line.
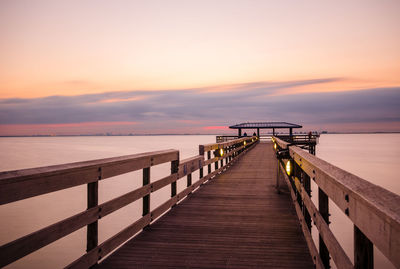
[[235, 215], [235, 221]]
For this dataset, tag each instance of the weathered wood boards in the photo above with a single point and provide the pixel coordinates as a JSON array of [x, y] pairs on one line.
[[21, 184], [234, 221], [374, 210]]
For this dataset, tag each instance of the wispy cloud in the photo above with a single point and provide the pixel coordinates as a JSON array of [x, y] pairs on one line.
[[242, 102]]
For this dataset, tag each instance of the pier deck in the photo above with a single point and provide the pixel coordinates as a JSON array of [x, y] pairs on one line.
[[236, 220]]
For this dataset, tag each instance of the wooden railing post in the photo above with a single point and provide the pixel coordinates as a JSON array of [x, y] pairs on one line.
[[222, 161], [363, 251], [174, 169], [307, 188], [215, 163], [323, 207], [146, 199], [209, 165], [92, 201], [201, 153], [297, 176], [189, 180]]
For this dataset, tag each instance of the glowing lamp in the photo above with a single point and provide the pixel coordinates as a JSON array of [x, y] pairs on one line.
[[244, 143], [275, 146], [219, 152], [289, 167]]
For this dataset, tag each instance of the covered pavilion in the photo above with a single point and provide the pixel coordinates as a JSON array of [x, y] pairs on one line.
[[265, 125]]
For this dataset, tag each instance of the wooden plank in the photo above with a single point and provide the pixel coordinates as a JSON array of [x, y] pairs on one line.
[[310, 243], [156, 185], [235, 220], [123, 200], [164, 207], [110, 206], [339, 256], [25, 245], [21, 184], [184, 193], [373, 209], [210, 161], [109, 245], [282, 144], [214, 146], [189, 165]]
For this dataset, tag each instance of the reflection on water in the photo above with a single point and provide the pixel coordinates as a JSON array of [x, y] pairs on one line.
[[372, 157]]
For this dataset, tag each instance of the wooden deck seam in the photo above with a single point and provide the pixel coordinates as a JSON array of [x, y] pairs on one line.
[[236, 220]]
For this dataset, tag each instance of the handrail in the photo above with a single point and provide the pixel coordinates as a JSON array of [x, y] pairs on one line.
[[374, 211], [21, 184], [25, 183]]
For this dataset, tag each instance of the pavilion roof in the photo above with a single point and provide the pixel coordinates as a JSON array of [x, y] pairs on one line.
[[264, 125]]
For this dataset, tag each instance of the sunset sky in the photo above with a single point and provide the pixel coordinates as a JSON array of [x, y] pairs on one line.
[[88, 67]]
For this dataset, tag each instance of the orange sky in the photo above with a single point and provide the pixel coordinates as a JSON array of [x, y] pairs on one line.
[[74, 48], [71, 48]]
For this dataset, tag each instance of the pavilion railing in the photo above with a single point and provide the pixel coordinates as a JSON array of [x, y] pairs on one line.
[[374, 211], [22, 184]]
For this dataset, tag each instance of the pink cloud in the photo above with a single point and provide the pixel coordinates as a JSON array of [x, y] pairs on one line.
[[216, 127], [67, 128]]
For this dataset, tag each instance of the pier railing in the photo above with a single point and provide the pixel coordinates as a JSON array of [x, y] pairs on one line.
[[22, 184], [374, 211], [296, 138]]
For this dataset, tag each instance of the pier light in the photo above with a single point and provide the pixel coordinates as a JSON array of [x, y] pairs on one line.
[[219, 152], [275, 146], [289, 167], [244, 143]]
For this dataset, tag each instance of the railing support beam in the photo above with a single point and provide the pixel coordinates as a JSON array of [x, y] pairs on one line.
[[323, 205], [174, 169], [92, 228], [146, 199], [363, 251]]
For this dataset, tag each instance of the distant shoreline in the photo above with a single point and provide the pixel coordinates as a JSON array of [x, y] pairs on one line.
[[102, 135]]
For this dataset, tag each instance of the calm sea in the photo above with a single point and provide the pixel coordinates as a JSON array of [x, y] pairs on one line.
[[373, 157]]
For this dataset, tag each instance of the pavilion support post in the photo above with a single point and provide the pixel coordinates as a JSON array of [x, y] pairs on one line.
[[258, 132], [240, 132], [291, 133], [273, 131]]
